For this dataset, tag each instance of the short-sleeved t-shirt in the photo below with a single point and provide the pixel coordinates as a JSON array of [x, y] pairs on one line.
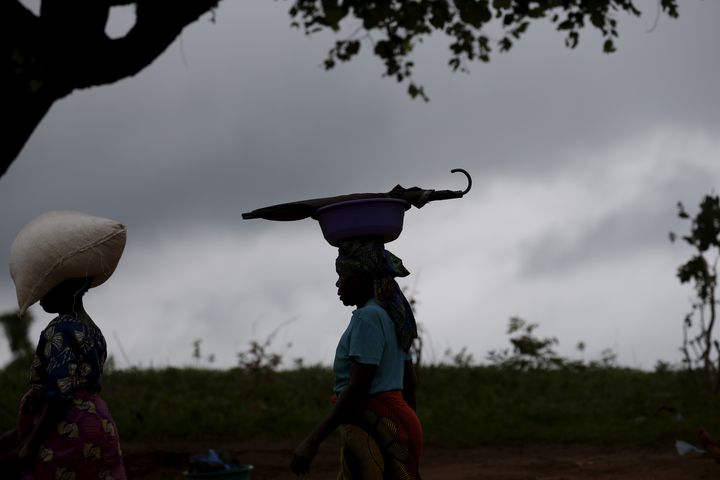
[[370, 338]]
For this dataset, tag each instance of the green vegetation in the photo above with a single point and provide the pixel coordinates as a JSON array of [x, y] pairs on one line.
[[701, 347], [605, 405], [456, 404]]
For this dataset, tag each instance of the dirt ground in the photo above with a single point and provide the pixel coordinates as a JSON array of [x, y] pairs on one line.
[[526, 462]]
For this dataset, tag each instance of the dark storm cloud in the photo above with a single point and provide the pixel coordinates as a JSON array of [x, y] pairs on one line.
[[639, 227]]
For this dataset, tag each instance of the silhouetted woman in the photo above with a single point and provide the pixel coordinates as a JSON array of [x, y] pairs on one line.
[[374, 401], [65, 430]]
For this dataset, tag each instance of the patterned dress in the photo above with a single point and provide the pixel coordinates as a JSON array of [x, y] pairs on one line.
[[67, 369], [385, 443]]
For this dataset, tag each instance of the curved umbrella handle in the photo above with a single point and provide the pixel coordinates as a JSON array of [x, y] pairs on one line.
[[467, 175], [433, 195]]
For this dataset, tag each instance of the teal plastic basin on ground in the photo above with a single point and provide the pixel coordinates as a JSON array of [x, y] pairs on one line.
[[241, 472]]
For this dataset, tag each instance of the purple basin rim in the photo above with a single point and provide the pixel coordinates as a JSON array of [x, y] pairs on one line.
[[362, 201]]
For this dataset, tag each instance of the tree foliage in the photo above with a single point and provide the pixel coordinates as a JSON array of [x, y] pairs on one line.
[[394, 28], [700, 348], [65, 48]]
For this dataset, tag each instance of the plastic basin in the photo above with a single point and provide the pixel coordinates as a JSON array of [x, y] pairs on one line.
[[241, 472], [369, 217]]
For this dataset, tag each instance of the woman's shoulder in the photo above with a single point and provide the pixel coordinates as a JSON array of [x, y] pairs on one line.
[[371, 310], [65, 320], [67, 323]]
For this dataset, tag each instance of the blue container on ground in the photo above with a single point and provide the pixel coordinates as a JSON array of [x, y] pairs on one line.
[[215, 466], [241, 472]]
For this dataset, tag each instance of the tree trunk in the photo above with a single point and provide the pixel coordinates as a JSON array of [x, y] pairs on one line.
[[66, 48]]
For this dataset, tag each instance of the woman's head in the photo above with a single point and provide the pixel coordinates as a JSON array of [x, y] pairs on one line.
[[355, 287], [366, 270], [364, 266], [66, 297], [369, 255]]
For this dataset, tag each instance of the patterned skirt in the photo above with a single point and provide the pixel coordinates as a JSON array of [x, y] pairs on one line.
[[84, 445], [385, 444]]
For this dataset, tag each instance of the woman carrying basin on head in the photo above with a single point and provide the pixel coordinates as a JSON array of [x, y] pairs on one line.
[[374, 401]]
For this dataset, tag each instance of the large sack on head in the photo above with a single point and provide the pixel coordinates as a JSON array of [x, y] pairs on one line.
[[58, 246]]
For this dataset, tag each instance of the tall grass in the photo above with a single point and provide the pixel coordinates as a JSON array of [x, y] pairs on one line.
[[606, 405], [455, 404]]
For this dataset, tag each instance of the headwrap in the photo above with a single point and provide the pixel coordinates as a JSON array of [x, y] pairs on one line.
[[369, 256]]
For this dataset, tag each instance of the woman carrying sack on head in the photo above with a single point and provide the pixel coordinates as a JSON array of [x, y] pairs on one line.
[[374, 400], [65, 430]]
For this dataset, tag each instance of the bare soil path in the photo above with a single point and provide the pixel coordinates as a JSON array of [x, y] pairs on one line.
[[150, 461]]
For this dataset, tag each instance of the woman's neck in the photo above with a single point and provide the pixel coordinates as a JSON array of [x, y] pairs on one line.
[[77, 310], [364, 302]]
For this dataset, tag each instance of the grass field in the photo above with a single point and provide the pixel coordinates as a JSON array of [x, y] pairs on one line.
[[457, 405]]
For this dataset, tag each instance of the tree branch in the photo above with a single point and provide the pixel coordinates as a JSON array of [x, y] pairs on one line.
[[66, 48]]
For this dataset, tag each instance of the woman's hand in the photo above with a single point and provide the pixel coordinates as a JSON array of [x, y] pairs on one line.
[[303, 456], [346, 408]]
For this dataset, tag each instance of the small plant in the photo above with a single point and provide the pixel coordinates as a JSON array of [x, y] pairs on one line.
[[196, 350], [416, 349], [608, 359], [663, 367], [259, 359], [197, 353], [528, 351], [461, 359], [700, 348]]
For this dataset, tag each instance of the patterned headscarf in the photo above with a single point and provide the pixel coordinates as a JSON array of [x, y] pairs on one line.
[[370, 256]]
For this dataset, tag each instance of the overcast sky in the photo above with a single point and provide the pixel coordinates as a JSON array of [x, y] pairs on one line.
[[578, 160]]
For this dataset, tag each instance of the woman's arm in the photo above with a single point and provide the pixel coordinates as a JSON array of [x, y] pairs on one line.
[[346, 408], [409, 384]]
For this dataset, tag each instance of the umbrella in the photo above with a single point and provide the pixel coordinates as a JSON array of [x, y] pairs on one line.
[[415, 196]]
